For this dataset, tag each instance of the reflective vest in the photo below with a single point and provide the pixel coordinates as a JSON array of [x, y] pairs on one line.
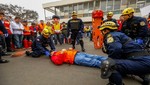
[[7, 26], [27, 30], [49, 28], [59, 58], [57, 28], [41, 27], [69, 56]]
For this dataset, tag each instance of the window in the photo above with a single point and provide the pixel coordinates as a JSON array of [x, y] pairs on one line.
[[80, 6], [110, 5], [86, 6], [91, 5], [75, 7], [117, 4], [97, 4], [66, 9], [148, 1], [103, 5]]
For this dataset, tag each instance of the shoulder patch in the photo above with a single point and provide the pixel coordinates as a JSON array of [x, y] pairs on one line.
[[109, 35], [110, 40], [142, 23]]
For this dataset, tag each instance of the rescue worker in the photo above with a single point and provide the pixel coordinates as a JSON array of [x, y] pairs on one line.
[[125, 56], [72, 56], [4, 31], [109, 18], [135, 27], [75, 27], [39, 45]]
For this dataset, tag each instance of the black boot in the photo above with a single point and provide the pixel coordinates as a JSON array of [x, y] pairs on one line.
[[28, 53], [83, 50]]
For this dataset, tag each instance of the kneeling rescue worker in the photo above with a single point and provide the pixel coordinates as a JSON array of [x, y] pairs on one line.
[[125, 56], [40, 43]]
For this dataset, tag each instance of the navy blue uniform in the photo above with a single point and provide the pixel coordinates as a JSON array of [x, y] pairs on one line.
[[136, 28], [123, 49], [39, 46], [75, 26]]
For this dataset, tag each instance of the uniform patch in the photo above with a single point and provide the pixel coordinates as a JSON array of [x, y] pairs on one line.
[[142, 23], [110, 39], [109, 35]]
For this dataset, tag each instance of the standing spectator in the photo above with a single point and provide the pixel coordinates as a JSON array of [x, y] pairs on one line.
[[75, 26], [17, 28], [135, 27], [41, 26], [57, 29], [64, 32], [26, 31], [4, 31], [34, 30], [9, 38]]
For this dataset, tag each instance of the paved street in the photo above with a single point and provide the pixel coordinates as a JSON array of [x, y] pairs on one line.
[[41, 71]]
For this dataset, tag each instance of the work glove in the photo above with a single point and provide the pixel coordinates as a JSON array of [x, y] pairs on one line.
[[47, 53], [139, 41], [6, 35]]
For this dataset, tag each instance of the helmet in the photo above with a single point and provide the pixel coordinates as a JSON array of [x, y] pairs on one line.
[[46, 33], [109, 24], [110, 14], [128, 11], [55, 16], [74, 13]]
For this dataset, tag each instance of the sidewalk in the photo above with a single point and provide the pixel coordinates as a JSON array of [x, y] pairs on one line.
[[41, 71]]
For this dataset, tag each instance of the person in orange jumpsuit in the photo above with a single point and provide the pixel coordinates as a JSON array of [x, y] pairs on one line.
[[72, 56]]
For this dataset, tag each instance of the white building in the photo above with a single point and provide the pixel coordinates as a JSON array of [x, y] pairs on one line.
[[84, 8]]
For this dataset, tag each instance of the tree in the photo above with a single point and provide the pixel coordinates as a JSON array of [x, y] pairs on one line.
[[15, 10]]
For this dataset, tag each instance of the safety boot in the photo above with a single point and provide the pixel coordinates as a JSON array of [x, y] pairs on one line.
[[28, 53], [83, 50]]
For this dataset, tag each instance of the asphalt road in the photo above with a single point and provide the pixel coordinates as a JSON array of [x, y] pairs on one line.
[[41, 71]]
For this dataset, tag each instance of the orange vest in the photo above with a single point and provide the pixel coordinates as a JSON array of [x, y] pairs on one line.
[[26, 30], [69, 56], [41, 27], [7, 26], [65, 57]]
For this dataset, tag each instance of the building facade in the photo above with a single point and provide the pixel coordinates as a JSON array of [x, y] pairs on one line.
[[84, 8]]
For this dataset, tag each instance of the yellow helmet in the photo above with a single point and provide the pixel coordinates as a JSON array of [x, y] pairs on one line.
[[109, 24], [110, 14], [128, 11], [46, 33], [74, 13]]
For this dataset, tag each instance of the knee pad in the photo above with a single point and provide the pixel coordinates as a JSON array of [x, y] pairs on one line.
[[107, 68]]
